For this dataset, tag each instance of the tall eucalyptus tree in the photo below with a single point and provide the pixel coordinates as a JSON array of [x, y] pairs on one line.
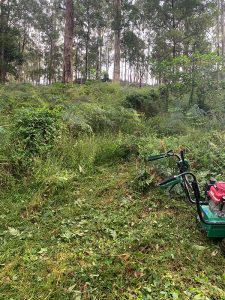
[[117, 36], [68, 42]]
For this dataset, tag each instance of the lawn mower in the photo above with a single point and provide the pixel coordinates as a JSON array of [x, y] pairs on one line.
[[210, 207]]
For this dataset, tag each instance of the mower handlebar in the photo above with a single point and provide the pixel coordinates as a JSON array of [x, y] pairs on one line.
[[196, 190], [154, 157], [166, 154], [182, 155], [159, 156], [168, 180]]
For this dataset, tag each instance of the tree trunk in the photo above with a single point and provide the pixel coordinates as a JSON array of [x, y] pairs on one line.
[[218, 28], [174, 27], [219, 38], [222, 27], [125, 73], [22, 49], [117, 34], [53, 62], [107, 55], [76, 64], [2, 46], [147, 68], [87, 44], [191, 99], [68, 43], [99, 58], [50, 63]]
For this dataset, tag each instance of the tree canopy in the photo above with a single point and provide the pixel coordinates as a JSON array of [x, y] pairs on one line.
[[123, 38]]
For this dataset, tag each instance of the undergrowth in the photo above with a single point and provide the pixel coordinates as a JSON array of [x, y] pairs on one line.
[[80, 215]]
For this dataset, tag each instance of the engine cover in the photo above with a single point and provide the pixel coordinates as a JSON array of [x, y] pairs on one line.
[[216, 195]]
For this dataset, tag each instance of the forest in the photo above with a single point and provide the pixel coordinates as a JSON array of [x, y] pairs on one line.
[[127, 40], [112, 133]]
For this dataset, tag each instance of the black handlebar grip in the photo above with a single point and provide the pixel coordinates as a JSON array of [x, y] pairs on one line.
[[167, 181], [159, 156], [152, 158]]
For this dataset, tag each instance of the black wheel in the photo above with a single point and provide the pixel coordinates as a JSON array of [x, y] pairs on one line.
[[199, 226], [187, 187]]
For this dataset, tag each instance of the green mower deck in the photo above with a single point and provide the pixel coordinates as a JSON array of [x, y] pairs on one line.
[[213, 231]]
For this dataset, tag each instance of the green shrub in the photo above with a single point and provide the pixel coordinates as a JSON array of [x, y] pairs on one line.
[[143, 182], [23, 87], [78, 128], [164, 96], [84, 154], [196, 116], [86, 118], [6, 178], [169, 124], [33, 134], [114, 150], [6, 103], [98, 118], [19, 97], [77, 125], [147, 103], [125, 119]]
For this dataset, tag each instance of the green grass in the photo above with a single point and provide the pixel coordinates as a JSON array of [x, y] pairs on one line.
[[74, 227], [98, 239]]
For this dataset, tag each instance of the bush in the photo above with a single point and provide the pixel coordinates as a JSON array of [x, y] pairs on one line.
[[197, 116], [78, 128], [143, 182], [164, 96], [77, 125], [33, 134], [114, 150], [147, 103], [169, 124], [125, 120], [88, 118]]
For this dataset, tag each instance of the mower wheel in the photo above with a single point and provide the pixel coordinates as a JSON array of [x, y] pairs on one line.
[[199, 226]]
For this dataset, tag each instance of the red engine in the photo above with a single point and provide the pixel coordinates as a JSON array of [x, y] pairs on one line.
[[216, 196]]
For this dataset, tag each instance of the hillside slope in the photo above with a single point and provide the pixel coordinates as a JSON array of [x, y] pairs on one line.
[[74, 223]]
